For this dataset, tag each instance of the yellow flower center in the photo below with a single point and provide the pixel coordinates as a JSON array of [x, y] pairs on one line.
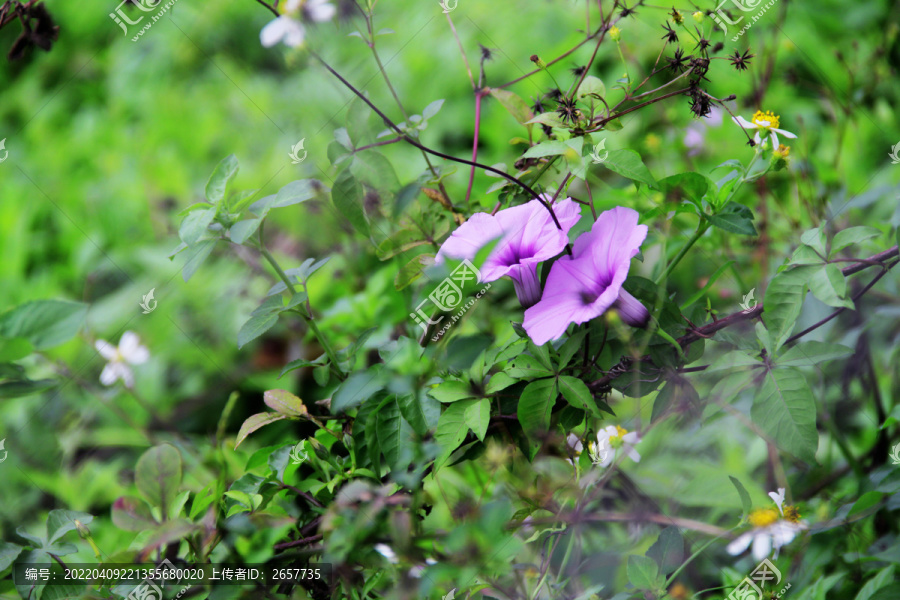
[[765, 120], [763, 517], [616, 440], [782, 151], [792, 514]]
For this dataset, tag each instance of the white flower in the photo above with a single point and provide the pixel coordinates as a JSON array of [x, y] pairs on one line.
[[765, 123], [778, 534], [575, 445], [288, 29], [609, 441], [129, 352], [387, 552], [769, 531]]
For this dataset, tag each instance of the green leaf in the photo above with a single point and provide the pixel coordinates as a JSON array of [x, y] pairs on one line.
[[60, 522], [891, 592], [735, 359], [783, 301], [375, 171], [746, 504], [196, 225], [194, 258], [865, 502], [547, 148], [852, 235], [158, 475], [884, 578], [628, 163], [692, 186], [499, 381], [642, 572], [203, 499], [550, 119], [677, 394], [25, 387], [734, 218], [44, 323], [8, 554], [452, 391], [394, 434], [527, 367], [807, 354], [451, 430], [535, 406], [815, 239], [591, 86], [411, 407], [477, 416], [285, 403], [255, 327], [347, 196], [356, 389], [432, 109], [784, 408], [255, 422], [412, 270], [570, 348], [403, 240], [242, 230], [514, 105], [132, 514], [667, 550], [577, 393], [295, 192], [218, 181], [828, 284]]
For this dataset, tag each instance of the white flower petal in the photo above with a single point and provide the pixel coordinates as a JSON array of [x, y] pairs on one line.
[[786, 134], [274, 31], [631, 438], [778, 498], [756, 138], [774, 137], [740, 544], [744, 123], [131, 350], [292, 6], [320, 10], [106, 350], [294, 34], [109, 374], [762, 545], [126, 375], [386, 551], [632, 454]]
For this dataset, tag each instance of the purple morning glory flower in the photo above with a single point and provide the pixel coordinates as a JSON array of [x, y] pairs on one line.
[[527, 235], [587, 284]]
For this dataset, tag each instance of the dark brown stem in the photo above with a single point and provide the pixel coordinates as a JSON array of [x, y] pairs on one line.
[[300, 542]]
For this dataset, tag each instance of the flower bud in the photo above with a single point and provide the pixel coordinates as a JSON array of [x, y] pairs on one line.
[[614, 33], [537, 60], [780, 158], [699, 16]]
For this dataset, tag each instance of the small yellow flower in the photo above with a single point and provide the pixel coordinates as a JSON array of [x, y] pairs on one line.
[[614, 33], [677, 17], [782, 151], [698, 16], [763, 517], [679, 592], [766, 126]]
